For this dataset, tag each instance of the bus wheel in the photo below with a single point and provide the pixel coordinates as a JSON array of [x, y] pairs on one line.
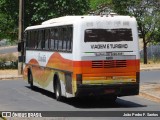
[[30, 80], [58, 90]]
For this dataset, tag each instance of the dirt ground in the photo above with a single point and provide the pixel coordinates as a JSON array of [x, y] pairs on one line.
[[8, 72], [150, 65], [150, 92]]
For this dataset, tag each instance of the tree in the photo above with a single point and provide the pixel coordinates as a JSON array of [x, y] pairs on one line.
[[147, 14], [2, 20], [37, 11], [156, 36], [101, 6], [8, 27]]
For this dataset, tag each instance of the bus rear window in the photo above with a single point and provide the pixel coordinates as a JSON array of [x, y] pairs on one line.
[[108, 35]]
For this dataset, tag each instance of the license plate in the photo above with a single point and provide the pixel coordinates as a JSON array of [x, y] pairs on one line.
[[108, 91]]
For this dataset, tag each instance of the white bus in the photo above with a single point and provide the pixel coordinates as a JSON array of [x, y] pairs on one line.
[[78, 56]]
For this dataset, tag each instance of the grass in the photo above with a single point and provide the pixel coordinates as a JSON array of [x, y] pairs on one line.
[[9, 72], [151, 61], [8, 57], [151, 64], [8, 61]]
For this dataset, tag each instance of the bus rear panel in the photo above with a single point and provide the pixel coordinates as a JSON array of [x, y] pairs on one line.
[[109, 58]]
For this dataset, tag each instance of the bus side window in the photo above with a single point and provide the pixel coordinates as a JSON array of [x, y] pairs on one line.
[[60, 39], [52, 39], [36, 39], [65, 39], [56, 38], [70, 39], [27, 39], [32, 40], [68, 45], [39, 39], [43, 39], [47, 37]]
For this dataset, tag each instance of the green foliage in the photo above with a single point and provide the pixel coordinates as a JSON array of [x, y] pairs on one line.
[[6, 26], [8, 19], [156, 36], [100, 6], [122, 7], [35, 12], [41, 10], [95, 4]]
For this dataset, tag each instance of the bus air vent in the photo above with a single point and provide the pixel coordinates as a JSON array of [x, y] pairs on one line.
[[120, 63], [97, 64], [109, 64]]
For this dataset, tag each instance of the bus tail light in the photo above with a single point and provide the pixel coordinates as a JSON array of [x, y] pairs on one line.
[[79, 78]]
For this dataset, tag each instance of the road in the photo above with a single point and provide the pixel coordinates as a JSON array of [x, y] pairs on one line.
[[150, 76], [8, 50], [17, 95]]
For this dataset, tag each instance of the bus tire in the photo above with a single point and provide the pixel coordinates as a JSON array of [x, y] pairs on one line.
[[30, 79], [57, 89]]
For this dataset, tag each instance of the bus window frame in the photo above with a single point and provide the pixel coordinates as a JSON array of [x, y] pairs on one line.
[[40, 36]]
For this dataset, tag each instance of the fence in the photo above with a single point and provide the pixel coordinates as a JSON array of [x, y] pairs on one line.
[[153, 53]]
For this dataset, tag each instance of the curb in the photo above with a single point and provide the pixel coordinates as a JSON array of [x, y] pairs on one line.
[[5, 47], [11, 78]]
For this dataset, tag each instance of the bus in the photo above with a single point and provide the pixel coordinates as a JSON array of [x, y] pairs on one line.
[[79, 56]]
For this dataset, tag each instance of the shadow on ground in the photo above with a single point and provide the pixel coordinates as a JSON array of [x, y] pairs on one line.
[[90, 102]]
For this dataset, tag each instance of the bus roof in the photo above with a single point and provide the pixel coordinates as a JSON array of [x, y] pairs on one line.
[[62, 19], [74, 19]]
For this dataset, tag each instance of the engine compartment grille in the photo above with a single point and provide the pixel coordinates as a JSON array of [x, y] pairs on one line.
[[109, 64]]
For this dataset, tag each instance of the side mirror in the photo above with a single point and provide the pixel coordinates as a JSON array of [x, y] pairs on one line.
[[21, 58]]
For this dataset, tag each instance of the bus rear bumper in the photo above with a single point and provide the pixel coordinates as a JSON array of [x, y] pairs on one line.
[[101, 90]]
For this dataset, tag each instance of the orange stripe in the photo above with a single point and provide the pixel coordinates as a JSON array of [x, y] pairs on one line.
[[82, 67], [86, 67]]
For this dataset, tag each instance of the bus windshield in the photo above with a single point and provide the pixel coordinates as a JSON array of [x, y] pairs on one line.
[[108, 35]]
